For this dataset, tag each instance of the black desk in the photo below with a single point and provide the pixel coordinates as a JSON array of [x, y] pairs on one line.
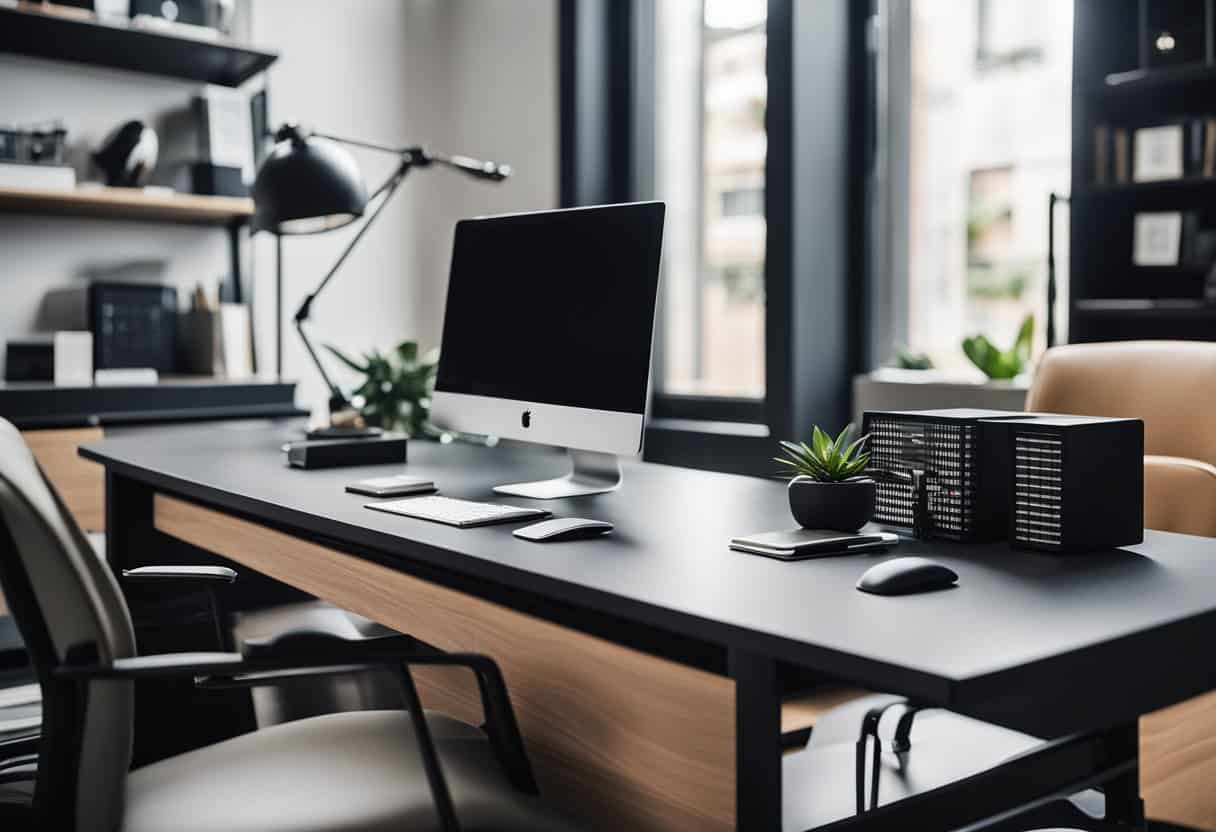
[[1050, 645]]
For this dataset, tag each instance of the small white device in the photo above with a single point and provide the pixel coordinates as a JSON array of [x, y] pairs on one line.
[[395, 486], [462, 513]]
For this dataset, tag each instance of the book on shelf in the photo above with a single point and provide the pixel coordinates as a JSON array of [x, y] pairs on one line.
[[1121, 148], [1101, 153], [1184, 148], [1209, 147], [36, 177]]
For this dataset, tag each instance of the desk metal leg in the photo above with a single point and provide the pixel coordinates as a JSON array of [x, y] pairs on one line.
[[129, 531], [757, 742], [1124, 805]]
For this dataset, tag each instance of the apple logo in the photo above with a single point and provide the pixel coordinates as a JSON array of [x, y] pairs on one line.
[[525, 419]]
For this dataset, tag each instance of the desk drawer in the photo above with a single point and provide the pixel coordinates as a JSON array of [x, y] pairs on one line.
[[621, 739]]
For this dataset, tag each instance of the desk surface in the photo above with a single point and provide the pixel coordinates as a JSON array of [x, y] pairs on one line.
[[1020, 629]]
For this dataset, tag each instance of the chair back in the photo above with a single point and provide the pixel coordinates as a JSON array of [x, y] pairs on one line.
[[1171, 386], [68, 608]]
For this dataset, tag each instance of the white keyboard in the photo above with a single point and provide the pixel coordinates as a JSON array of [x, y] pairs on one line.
[[453, 512]]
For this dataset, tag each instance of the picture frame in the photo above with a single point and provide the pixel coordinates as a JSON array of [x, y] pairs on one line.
[[1157, 239], [1158, 153]]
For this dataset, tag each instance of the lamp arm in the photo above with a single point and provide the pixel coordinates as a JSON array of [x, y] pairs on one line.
[[337, 400]]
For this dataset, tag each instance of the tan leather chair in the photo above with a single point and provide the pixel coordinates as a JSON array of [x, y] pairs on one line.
[[1171, 385]]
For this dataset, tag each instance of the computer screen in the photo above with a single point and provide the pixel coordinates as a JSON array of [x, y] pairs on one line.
[[555, 307]]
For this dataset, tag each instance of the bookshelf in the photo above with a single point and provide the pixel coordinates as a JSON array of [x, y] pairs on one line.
[[1115, 86], [73, 35], [127, 204]]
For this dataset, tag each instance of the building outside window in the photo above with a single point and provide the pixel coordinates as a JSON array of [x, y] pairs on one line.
[[710, 145], [988, 138]]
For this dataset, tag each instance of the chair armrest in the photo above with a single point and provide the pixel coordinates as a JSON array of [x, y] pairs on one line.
[[1180, 495], [501, 727], [192, 574], [154, 666], [341, 656], [307, 641]]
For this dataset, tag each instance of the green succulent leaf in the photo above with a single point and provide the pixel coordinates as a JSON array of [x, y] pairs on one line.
[[826, 459]]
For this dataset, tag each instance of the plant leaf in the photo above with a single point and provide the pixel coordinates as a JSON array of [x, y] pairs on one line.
[[408, 351]]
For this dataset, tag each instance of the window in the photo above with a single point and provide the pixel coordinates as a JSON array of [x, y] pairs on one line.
[[709, 156], [986, 139]]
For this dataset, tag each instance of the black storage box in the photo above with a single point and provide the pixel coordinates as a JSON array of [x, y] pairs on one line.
[[133, 324], [339, 453], [957, 456], [30, 359], [1078, 482]]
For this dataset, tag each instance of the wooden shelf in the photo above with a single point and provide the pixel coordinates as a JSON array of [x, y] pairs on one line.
[[128, 204], [27, 31]]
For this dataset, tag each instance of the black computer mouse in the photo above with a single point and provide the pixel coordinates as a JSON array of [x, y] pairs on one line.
[[905, 576]]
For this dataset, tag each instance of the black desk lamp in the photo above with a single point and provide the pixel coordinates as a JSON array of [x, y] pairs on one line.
[[308, 184]]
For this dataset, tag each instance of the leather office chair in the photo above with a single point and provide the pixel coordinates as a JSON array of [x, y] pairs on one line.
[[1171, 385], [371, 770]]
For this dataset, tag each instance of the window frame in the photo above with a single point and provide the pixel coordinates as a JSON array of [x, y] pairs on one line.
[[816, 329]]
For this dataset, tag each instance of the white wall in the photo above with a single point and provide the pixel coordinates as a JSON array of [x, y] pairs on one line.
[[470, 76], [477, 77]]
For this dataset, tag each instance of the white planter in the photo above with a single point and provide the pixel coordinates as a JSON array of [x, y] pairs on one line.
[[892, 389]]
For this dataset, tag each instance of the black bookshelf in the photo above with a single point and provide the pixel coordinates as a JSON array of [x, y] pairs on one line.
[[1117, 85], [42, 35]]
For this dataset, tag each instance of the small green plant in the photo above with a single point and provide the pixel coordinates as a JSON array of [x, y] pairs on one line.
[[1001, 364], [395, 393], [908, 359], [826, 459]]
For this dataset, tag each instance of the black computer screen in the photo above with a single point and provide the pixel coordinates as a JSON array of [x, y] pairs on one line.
[[554, 307]]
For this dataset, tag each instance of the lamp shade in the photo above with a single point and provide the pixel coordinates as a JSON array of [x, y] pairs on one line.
[[307, 185]]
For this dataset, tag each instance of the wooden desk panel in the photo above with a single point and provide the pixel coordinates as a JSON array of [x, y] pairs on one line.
[[619, 738], [1178, 763], [81, 484]]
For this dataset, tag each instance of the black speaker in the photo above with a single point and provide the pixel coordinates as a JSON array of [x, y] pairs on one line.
[[940, 473], [1078, 482]]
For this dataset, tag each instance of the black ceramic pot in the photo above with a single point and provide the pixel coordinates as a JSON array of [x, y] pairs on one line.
[[840, 506]]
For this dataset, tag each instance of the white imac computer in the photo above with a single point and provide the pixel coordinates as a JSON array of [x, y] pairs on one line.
[[547, 336]]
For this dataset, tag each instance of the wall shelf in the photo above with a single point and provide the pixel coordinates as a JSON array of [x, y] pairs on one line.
[[1118, 308], [32, 405], [128, 204], [1164, 187], [1139, 80], [30, 32]]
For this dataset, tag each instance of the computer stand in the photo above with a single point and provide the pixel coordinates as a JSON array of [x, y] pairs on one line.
[[591, 473]]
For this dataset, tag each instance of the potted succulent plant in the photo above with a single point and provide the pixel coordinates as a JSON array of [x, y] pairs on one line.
[[828, 488]]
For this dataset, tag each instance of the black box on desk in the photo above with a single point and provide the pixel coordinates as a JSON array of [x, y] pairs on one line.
[[1078, 482], [955, 461], [341, 453]]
